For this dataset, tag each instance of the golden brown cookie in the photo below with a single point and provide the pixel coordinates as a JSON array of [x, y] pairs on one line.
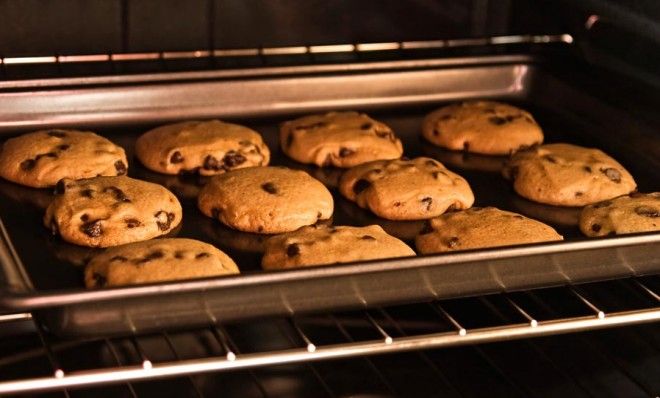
[[318, 245], [341, 139], [266, 199], [567, 175], [210, 147], [157, 260], [485, 127], [111, 211], [406, 189], [42, 158], [481, 227], [637, 212]]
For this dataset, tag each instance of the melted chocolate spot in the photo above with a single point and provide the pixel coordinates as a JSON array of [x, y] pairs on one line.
[[612, 174], [366, 126], [397, 204], [121, 259], [550, 158], [28, 164], [211, 163], [176, 157], [427, 201], [595, 227], [84, 217], [360, 185], [343, 152], [92, 229], [587, 169], [431, 163], [466, 146], [164, 220], [496, 120], [57, 133], [292, 250], [120, 167], [367, 237], [269, 187], [119, 195], [202, 255], [99, 280], [436, 131], [233, 159], [132, 223], [578, 194], [178, 254], [63, 147], [88, 193], [647, 211], [151, 256]]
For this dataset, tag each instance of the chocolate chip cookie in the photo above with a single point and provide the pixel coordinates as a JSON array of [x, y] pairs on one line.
[[567, 175], [318, 245], [479, 228], [157, 260], [266, 199], [210, 147], [340, 139], [485, 127], [111, 211], [637, 212], [42, 158], [406, 189]]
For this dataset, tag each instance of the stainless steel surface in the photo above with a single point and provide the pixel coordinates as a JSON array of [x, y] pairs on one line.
[[307, 350]]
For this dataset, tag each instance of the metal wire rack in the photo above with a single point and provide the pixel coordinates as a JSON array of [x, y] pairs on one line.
[[305, 340]]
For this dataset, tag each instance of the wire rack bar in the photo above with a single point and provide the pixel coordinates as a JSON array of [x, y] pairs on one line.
[[363, 348], [291, 50]]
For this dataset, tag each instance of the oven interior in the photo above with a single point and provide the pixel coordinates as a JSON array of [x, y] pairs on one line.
[[563, 340]]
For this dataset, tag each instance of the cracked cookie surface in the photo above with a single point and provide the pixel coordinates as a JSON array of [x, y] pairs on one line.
[[111, 211], [41, 158], [157, 260], [318, 245], [340, 139], [637, 212], [209, 147], [567, 175], [413, 189], [266, 199], [479, 228], [484, 127]]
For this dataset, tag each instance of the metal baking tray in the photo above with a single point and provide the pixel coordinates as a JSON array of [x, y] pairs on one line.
[[43, 275]]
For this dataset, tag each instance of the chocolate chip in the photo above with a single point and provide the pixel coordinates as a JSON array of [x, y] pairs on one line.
[[176, 157], [454, 207], [202, 255], [595, 227], [260, 228], [289, 140], [452, 242], [578, 194], [436, 131], [269, 187], [367, 237], [211, 163], [602, 204], [215, 212], [496, 120], [360, 185], [178, 254], [397, 204], [511, 118], [60, 188], [119, 195], [233, 159], [99, 280], [431, 163], [427, 201], [343, 152], [120, 167], [366, 126], [121, 259], [151, 256], [427, 228], [550, 158], [132, 223], [57, 133], [88, 193], [63, 147], [84, 217], [92, 229], [28, 164], [319, 215], [587, 169], [292, 250], [164, 220], [384, 134], [647, 211], [466, 146], [45, 155], [612, 174]]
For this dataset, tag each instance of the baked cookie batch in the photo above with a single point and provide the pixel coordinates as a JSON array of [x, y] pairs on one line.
[[97, 205]]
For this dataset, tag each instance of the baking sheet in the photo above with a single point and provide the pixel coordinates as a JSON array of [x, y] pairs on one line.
[[46, 273]]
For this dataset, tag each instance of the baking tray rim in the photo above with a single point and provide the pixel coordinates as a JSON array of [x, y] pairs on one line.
[[26, 301]]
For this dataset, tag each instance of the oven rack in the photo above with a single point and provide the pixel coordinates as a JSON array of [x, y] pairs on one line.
[[519, 315]]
